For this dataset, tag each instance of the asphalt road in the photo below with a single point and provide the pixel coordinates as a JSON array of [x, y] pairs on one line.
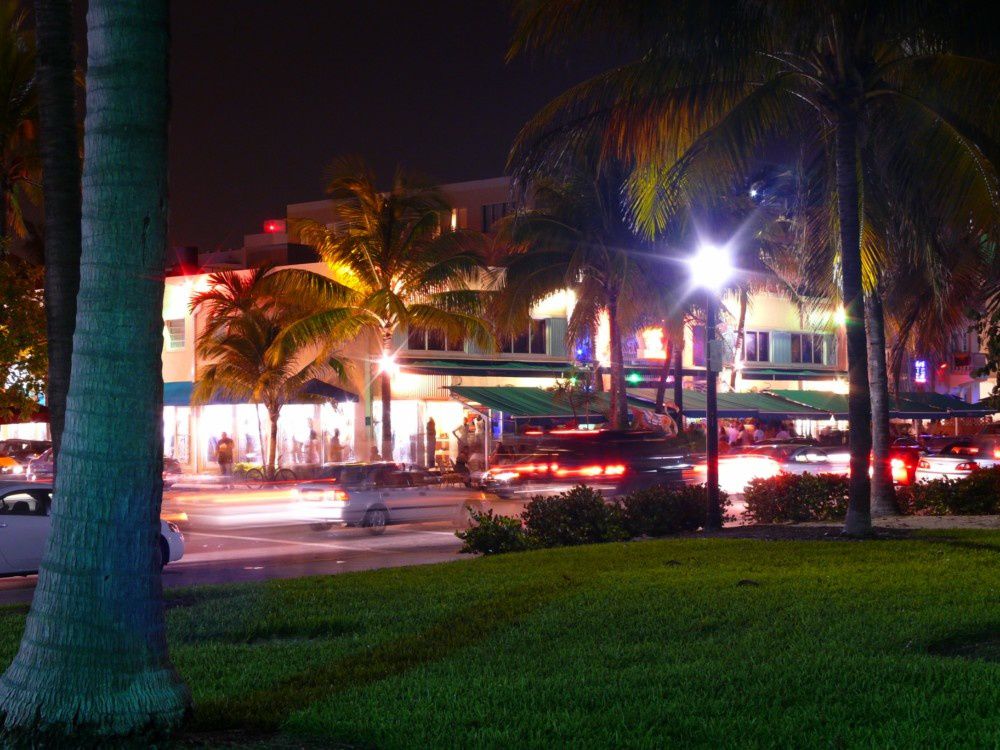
[[263, 551], [257, 553]]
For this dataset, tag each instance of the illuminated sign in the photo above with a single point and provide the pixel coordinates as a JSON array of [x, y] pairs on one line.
[[920, 371]]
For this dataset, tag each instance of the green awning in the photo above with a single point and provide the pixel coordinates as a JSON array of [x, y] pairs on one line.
[[776, 373], [955, 406], [827, 402], [525, 403], [178, 393], [903, 406], [485, 368], [694, 403], [737, 405]]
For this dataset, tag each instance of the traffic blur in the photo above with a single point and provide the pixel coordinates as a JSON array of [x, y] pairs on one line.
[[611, 462], [368, 495]]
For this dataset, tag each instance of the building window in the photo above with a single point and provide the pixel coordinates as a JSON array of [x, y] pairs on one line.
[[532, 341], [757, 346], [429, 340], [808, 348], [493, 212], [173, 331]]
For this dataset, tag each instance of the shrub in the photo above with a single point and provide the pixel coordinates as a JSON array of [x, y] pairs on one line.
[[976, 494], [797, 497], [662, 510], [491, 534], [578, 516]]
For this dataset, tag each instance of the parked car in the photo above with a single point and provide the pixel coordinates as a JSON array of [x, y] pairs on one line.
[[373, 496], [959, 458], [25, 525], [15, 455]]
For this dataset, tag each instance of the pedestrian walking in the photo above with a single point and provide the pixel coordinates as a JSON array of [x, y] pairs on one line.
[[224, 457]]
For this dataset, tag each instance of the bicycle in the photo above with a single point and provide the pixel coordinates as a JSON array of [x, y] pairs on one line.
[[257, 477]]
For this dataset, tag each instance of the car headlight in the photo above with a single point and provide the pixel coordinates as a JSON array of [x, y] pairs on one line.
[[17, 469]]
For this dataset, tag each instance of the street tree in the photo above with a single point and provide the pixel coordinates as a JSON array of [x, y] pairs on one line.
[[576, 237], [239, 348], [19, 166], [905, 87], [93, 668], [60, 161], [394, 264], [23, 354]]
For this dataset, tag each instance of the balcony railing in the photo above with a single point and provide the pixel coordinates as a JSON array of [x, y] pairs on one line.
[[967, 361]]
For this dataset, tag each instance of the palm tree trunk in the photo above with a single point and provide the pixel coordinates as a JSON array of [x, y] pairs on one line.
[[661, 384], [859, 413], [385, 385], [679, 379], [93, 661], [740, 337], [273, 413], [883, 498], [61, 190], [598, 379], [619, 397], [385, 381]]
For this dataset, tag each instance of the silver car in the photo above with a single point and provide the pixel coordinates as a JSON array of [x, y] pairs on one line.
[[25, 524], [374, 496]]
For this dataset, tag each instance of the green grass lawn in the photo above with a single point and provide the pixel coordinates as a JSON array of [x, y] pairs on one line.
[[705, 642]]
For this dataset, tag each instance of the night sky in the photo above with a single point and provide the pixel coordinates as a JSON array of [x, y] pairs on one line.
[[266, 92]]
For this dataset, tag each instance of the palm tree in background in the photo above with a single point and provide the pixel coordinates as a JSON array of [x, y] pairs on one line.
[[92, 668], [576, 237], [60, 158], [20, 171], [899, 88], [394, 265], [239, 346]]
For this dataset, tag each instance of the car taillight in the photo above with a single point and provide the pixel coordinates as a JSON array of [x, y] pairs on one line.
[[967, 466], [899, 472], [335, 496], [924, 464], [595, 470]]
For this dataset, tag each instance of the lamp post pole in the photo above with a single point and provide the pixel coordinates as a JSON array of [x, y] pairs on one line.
[[710, 268], [714, 520]]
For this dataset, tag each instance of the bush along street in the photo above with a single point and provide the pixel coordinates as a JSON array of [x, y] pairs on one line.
[[583, 516]]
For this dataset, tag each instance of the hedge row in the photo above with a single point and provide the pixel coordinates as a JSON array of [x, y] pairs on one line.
[[823, 497], [582, 516]]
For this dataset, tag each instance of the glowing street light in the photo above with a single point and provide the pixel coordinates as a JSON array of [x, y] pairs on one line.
[[387, 363], [711, 268]]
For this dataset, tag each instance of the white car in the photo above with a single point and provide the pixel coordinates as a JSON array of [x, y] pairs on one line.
[[959, 460], [766, 460], [25, 524]]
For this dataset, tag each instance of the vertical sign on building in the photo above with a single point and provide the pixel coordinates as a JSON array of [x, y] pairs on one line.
[[920, 371]]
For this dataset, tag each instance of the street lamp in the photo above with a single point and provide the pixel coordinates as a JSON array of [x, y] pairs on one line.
[[710, 269]]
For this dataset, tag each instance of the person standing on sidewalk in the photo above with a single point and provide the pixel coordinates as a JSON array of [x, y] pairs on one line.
[[224, 457]]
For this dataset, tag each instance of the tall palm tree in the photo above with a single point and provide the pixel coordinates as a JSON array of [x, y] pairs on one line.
[[238, 345], [392, 267], [895, 85], [577, 237], [93, 663], [19, 167], [61, 191]]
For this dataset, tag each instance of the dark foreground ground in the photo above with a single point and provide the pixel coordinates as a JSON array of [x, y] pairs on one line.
[[721, 642]]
